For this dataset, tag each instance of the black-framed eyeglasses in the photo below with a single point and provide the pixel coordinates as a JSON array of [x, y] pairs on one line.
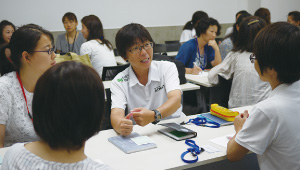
[[252, 58], [50, 51], [137, 50]]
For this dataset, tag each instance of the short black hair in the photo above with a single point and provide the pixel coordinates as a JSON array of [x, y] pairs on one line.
[[249, 27], [295, 15], [277, 46], [264, 13], [241, 13], [197, 16], [67, 105], [128, 36], [70, 16], [204, 24]]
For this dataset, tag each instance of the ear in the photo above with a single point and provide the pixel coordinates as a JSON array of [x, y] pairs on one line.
[[237, 27], [25, 57]]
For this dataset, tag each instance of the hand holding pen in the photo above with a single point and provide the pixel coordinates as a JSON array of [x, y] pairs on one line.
[[196, 69]]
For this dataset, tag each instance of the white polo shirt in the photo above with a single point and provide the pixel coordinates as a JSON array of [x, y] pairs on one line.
[[127, 90], [272, 129]]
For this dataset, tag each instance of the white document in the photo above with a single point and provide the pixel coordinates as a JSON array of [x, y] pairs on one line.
[[203, 74], [223, 140], [141, 140], [210, 149]]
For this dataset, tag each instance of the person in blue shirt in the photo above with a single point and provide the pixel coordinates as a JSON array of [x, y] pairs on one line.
[[202, 52]]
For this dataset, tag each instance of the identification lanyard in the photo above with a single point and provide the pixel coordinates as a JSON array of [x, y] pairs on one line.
[[24, 95], [202, 121], [201, 66], [71, 50], [195, 151]]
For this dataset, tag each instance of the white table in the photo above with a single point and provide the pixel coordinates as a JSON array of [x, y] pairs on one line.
[[168, 151], [172, 53], [120, 60], [165, 156], [184, 87], [198, 79]]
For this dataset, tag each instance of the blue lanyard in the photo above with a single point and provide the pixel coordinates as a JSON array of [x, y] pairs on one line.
[[195, 151], [201, 121], [201, 66]]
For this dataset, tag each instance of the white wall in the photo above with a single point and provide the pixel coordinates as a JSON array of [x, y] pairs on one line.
[[117, 13]]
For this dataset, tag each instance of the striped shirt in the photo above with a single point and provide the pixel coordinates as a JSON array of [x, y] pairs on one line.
[[18, 157]]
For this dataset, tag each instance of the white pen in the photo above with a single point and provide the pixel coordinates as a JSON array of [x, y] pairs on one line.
[[196, 65]]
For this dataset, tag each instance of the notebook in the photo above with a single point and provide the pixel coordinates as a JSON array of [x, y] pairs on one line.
[[177, 132], [213, 118], [129, 146]]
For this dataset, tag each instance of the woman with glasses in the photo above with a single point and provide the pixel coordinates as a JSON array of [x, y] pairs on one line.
[[32, 53], [271, 128], [97, 47], [247, 88], [72, 40], [69, 115], [150, 89], [202, 52]]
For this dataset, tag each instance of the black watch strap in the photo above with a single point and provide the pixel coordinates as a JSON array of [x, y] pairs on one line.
[[157, 116]]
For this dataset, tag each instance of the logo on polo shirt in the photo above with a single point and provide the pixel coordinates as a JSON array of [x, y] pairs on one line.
[[124, 78], [159, 88]]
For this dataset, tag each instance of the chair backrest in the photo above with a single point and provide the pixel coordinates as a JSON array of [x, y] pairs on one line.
[[109, 72], [172, 42], [159, 48], [173, 47], [116, 52]]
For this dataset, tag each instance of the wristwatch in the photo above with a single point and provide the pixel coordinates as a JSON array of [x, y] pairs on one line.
[[157, 116]]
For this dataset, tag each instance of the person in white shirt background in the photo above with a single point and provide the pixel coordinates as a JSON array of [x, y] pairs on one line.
[[150, 89], [189, 31], [271, 128], [97, 47]]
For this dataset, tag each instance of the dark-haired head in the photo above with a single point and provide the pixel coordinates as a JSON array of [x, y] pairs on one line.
[[129, 35], [197, 16], [234, 35], [248, 29], [72, 111], [242, 12], [277, 47], [294, 18], [70, 16], [23, 39], [3, 25], [264, 13], [95, 29], [204, 24]]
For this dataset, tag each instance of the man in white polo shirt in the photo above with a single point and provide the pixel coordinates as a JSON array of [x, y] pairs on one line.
[[150, 89]]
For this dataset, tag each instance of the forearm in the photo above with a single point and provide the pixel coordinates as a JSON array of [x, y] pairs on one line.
[[235, 151], [2, 135], [218, 58], [116, 117], [171, 105], [188, 70]]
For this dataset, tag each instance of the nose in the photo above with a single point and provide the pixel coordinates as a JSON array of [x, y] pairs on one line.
[[143, 51], [53, 55]]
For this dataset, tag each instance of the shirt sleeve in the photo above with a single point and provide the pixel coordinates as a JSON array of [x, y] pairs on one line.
[[225, 69], [185, 54], [118, 97], [85, 49], [58, 45], [225, 48], [5, 97], [171, 78], [257, 132]]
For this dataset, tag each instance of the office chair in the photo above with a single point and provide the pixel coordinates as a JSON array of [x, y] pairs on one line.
[[160, 49], [109, 72]]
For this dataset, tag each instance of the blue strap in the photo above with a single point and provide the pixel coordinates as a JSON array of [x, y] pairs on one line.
[[201, 121], [195, 151]]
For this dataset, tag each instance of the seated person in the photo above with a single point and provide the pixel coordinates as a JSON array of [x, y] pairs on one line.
[[69, 115], [150, 89], [189, 28], [294, 18], [202, 52], [247, 88], [272, 128]]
